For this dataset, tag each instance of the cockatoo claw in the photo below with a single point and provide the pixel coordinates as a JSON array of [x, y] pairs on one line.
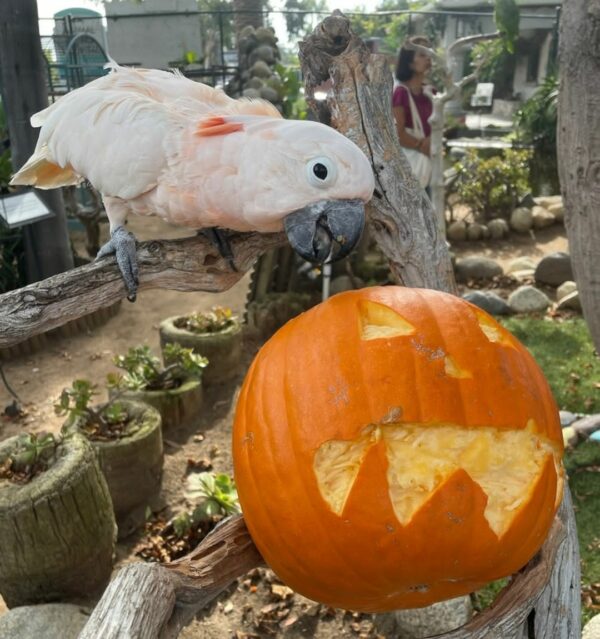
[[218, 238], [122, 244]]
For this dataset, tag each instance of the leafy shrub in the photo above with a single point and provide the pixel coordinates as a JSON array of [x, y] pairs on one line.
[[215, 496], [32, 455], [143, 371], [536, 119], [217, 319], [107, 421], [493, 186]]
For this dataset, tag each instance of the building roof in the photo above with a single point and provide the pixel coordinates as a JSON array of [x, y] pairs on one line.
[[78, 12], [457, 5]]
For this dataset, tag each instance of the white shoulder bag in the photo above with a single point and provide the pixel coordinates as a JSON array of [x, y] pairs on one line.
[[419, 162]]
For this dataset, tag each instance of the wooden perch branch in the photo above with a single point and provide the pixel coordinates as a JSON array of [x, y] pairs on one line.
[[189, 264], [149, 601]]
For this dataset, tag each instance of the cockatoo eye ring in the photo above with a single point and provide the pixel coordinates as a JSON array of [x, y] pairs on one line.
[[321, 172]]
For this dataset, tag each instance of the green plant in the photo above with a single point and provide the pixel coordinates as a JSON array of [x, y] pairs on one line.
[[143, 371], [33, 453], [292, 92], [214, 495], [536, 119], [217, 319], [108, 420], [492, 187]]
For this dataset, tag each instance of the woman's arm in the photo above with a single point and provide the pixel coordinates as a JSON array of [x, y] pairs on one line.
[[406, 139]]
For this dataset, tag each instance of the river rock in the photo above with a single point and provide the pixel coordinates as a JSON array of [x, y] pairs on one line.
[[528, 299], [565, 289], [498, 228], [542, 217], [417, 623], [260, 69], [570, 437], [50, 621], [489, 301], [457, 231], [266, 93], [521, 220], [591, 629], [587, 425], [570, 301], [567, 418], [253, 94], [558, 210], [475, 231], [477, 268], [554, 269], [520, 264], [548, 200]]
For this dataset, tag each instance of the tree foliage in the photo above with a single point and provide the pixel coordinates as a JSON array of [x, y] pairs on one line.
[[298, 24]]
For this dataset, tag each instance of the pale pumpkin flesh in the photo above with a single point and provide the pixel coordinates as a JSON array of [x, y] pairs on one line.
[[505, 464]]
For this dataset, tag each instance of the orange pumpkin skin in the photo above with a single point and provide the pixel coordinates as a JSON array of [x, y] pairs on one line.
[[319, 380]]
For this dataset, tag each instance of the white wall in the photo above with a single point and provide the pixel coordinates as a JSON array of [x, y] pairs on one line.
[[152, 41]]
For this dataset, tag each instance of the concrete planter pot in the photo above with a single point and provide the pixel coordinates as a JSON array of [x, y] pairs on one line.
[[132, 466], [223, 349], [177, 406], [58, 530]]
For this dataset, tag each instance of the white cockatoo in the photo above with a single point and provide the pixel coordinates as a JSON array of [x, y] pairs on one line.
[[155, 143]]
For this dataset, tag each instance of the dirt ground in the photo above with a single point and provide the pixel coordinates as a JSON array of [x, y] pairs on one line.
[[242, 612]]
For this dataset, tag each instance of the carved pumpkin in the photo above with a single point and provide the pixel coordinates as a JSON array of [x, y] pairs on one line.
[[394, 447]]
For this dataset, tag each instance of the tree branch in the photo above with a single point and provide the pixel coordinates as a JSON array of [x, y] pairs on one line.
[[188, 264], [150, 601]]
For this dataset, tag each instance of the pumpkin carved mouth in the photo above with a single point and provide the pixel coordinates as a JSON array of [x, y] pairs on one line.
[[421, 458]]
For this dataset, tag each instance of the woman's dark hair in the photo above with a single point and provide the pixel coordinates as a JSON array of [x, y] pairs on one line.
[[406, 57]]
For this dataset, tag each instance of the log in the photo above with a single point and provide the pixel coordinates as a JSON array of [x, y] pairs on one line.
[[359, 105], [188, 264], [149, 601]]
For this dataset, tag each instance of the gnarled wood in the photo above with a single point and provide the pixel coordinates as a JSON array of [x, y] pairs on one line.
[[579, 148], [189, 264], [148, 601], [401, 217]]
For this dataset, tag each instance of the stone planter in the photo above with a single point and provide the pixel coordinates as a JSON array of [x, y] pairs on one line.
[[57, 532], [223, 349], [177, 406], [132, 466]]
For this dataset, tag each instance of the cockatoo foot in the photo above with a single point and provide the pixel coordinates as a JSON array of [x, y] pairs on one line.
[[218, 238], [122, 244]]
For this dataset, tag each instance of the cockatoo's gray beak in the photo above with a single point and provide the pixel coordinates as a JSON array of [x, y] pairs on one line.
[[328, 229]]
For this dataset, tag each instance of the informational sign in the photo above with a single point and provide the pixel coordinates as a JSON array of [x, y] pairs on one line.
[[22, 208]]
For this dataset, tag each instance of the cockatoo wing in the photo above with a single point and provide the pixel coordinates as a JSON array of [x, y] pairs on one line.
[[121, 130]]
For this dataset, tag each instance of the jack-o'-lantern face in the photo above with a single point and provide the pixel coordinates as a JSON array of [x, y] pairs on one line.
[[394, 447]]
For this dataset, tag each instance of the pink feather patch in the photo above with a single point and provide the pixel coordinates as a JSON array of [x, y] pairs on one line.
[[217, 125]]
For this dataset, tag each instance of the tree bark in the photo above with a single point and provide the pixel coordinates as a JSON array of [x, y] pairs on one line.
[[579, 148], [189, 264], [146, 601], [23, 84], [401, 217]]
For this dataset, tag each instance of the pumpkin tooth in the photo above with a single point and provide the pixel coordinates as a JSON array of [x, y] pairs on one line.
[[505, 464], [492, 331]]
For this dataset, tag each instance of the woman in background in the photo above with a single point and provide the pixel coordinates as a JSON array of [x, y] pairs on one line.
[[412, 107]]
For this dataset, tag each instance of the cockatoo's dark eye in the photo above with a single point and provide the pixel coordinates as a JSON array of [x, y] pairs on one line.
[[321, 172]]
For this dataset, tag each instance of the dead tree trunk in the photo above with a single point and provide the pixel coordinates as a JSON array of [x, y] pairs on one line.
[[23, 84], [359, 105], [579, 148]]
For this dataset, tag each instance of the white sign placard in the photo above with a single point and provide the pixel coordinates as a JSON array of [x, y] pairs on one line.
[[23, 208]]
